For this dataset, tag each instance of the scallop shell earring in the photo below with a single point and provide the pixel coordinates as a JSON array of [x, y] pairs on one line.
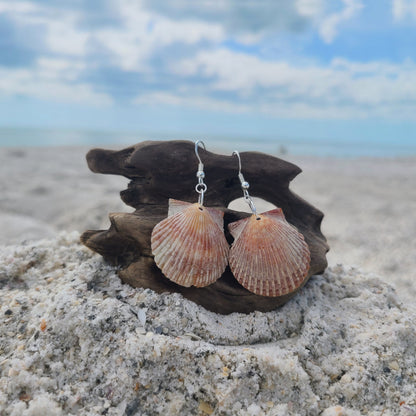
[[268, 257], [189, 245]]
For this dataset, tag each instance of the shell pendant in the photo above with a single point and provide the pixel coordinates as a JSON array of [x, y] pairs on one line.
[[268, 257], [189, 245]]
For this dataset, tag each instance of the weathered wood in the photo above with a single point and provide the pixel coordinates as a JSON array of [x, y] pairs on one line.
[[162, 170]]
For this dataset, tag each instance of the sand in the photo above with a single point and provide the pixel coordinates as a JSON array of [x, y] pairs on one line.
[[370, 220], [76, 341]]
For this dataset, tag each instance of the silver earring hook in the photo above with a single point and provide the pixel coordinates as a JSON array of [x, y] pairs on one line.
[[240, 175], [200, 187], [201, 165], [244, 186], [239, 160]]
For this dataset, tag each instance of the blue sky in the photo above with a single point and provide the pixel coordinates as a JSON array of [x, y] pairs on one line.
[[301, 69]]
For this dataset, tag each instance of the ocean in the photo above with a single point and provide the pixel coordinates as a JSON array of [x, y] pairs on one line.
[[24, 137]]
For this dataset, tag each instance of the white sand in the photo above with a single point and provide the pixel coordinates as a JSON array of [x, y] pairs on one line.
[[74, 340], [77, 341]]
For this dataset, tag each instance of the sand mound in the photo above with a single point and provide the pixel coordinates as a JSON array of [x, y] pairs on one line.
[[75, 340]]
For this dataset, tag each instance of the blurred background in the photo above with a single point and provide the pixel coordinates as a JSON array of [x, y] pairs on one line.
[[305, 76]]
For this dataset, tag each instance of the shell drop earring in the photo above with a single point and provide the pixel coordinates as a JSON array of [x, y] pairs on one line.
[[268, 257], [189, 245]]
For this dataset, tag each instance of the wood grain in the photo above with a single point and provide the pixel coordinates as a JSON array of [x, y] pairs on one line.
[[162, 170]]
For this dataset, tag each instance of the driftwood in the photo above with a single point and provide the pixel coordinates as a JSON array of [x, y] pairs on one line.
[[162, 170]]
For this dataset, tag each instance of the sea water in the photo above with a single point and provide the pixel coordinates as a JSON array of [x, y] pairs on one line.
[[22, 137]]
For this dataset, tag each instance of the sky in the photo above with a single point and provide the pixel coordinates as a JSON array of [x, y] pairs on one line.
[[302, 69]]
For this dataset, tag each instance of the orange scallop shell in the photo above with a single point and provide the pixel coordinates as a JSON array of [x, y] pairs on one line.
[[269, 257], [189, 245]]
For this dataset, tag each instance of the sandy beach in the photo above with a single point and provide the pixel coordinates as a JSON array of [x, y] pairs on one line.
[[76, 341], [369, 205]]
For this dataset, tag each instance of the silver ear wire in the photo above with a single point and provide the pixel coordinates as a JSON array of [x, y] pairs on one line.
[[244, 186], [200, 187]]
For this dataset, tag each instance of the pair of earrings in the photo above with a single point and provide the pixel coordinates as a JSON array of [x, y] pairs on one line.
[[268, 257]]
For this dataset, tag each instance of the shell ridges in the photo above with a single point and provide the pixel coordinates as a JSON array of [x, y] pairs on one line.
[[269, 257], [189, 245]]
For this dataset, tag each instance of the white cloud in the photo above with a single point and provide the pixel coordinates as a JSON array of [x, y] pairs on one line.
[[248, 21], [310, 8], [51, 79], [16, 7], [62, 36], [237, 17], [330, 25], [343, 89], [144, 33], [65, 38], [187, 56], [190, 99], [59, 69], [404, 9]]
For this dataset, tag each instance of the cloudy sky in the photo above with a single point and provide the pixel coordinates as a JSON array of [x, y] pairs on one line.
[[329, 69]]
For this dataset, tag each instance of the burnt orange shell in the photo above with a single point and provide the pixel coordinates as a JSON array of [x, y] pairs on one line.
[[189, 245], [269, 257]]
